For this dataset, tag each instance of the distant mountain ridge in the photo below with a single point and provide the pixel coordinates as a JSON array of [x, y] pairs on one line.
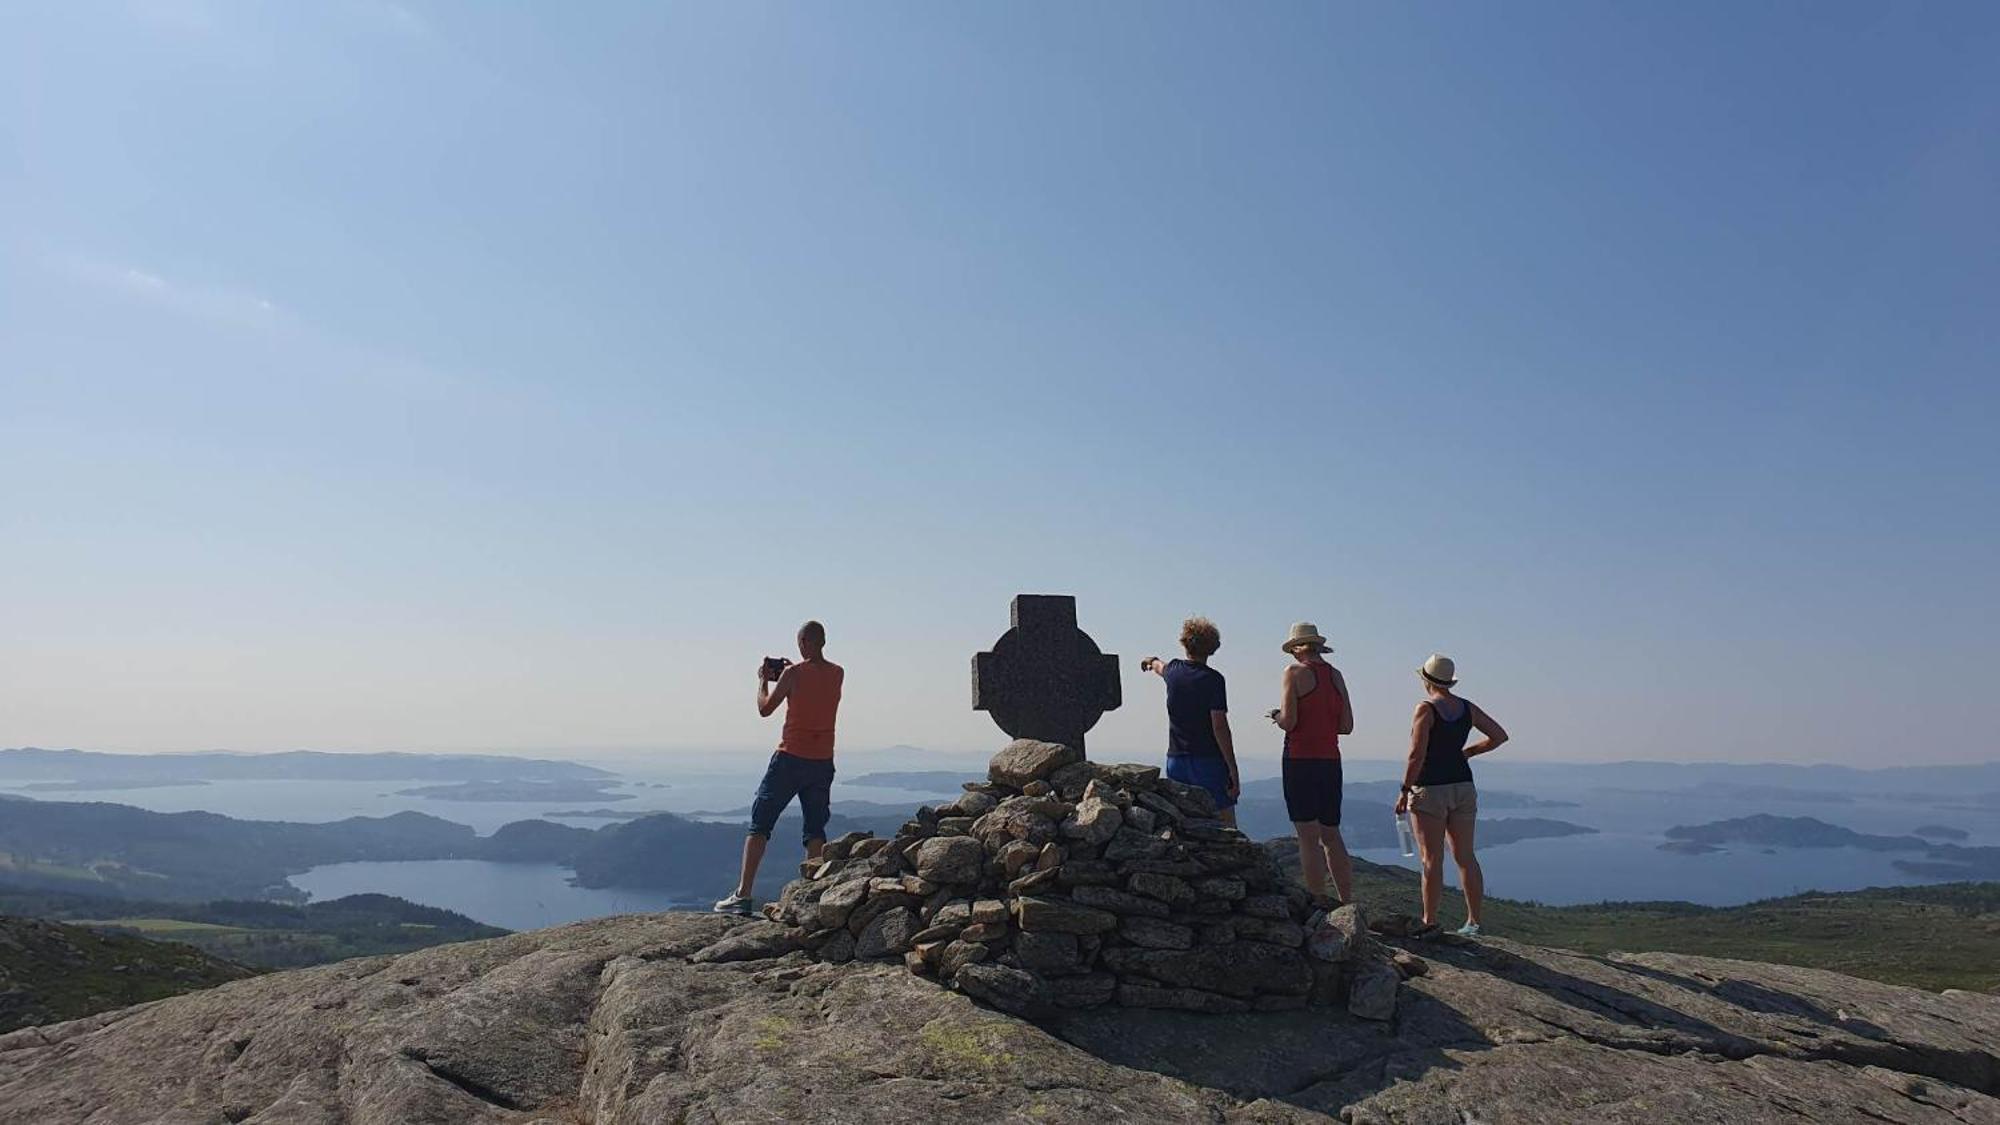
[[99, 848], [103, 848], [35, 764]]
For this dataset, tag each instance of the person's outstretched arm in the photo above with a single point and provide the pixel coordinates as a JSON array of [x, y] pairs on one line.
[[1420, 740], [1154, 665], [1494, 732], [769, 697]]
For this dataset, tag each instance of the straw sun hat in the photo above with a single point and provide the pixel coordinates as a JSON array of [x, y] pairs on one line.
[[1439, 670], [1305, 633]]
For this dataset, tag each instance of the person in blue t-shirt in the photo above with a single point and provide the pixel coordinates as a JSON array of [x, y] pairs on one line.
[[1199, 749]]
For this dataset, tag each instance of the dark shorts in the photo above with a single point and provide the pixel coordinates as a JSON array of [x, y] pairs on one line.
[[1312, 791], [787, 777], [1211, 774]]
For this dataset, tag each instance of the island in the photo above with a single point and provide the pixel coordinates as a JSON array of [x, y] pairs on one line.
[[521, 790], [921, 781], [34, 764], [1941, 861], [1792, 832], [110, 784]]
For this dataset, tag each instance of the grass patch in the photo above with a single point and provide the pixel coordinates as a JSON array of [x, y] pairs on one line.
[[174, 926], [980, 1046], [1935, 937]]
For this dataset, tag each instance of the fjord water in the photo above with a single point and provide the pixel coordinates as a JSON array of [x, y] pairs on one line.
[[518, 896], [1621, 862]]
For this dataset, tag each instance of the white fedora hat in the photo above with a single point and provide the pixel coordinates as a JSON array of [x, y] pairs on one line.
[[1305, 633], [1439, 670]]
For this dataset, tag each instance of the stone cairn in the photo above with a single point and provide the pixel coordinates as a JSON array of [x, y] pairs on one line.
[[1063, 883]]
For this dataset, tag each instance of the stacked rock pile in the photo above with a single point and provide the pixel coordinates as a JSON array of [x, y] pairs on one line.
[[1063, 883]]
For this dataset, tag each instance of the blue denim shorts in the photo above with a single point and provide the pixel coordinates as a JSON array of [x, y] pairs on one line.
[[787, 777], [1211, 774]]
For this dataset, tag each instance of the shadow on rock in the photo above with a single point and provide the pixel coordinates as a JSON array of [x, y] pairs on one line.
[[1317, 1059]]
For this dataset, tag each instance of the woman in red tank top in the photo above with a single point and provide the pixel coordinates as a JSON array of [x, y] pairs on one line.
[[1314, 714]]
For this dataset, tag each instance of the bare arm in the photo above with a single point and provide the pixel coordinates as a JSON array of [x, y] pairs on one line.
[[769, 697], [1154, 665], [1494, 732], [1288, 708], [1346, 703], [1420, 740], [1219, 722]]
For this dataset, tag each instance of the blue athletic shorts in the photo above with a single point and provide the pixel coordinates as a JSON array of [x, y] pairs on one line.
[[1211, 774], [787, 777]]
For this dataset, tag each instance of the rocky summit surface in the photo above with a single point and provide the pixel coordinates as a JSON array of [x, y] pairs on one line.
[[696, 1018]]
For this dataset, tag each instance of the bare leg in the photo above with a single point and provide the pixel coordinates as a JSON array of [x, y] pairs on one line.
[[1337, 862], [1430, 847], [1312, 858], [815, 849], [753, 855], [1227, 816], [1469, 875]]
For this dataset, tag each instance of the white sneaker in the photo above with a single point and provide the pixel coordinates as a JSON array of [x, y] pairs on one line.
[[735, 904], [1470, 929]]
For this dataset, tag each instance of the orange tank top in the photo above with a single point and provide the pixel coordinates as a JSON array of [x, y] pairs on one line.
[[809, 712], [1317, 734]]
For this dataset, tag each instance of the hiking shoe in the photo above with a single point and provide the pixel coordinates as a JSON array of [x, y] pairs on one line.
[[1470, 929], [735, 904], [1426, 932]]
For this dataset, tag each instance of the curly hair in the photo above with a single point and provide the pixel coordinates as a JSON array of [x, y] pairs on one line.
[[1200, 637]]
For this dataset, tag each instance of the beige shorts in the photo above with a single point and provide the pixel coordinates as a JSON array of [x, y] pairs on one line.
[[1453, 802]]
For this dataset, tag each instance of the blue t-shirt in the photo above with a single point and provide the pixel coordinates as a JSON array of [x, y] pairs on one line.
[[1193, 690]]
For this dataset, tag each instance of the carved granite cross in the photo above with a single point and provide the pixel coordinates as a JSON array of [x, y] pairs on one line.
[[1045, 678]]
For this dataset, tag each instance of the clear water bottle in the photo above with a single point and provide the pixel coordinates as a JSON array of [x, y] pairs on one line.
[[1405, 837]]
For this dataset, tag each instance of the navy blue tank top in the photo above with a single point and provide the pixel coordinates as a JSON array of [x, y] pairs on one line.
[[1444, 756]]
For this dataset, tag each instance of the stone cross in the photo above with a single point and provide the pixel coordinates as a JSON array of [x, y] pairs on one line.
[[1045, 678]]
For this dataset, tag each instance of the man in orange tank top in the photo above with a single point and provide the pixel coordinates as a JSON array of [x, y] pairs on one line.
[[802, 766]]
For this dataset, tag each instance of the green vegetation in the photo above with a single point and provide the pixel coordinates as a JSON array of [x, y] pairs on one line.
[[1940, 936], [51, 972], [269, 935]]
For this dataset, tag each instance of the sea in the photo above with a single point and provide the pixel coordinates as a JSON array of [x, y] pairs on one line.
[[1622, 861]]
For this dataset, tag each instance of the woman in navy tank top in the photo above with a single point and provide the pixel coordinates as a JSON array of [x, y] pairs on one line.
[[1437, 787]]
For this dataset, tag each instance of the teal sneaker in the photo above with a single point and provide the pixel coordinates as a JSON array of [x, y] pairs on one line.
[[1470, 929]]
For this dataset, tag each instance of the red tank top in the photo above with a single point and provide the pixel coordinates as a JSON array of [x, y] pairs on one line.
[[1317, 734], [810, 710]]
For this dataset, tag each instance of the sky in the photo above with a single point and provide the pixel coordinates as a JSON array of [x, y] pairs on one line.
[[436, 376]]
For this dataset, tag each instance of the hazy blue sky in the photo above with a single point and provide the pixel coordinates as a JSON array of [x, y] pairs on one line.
[[483, 376]]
